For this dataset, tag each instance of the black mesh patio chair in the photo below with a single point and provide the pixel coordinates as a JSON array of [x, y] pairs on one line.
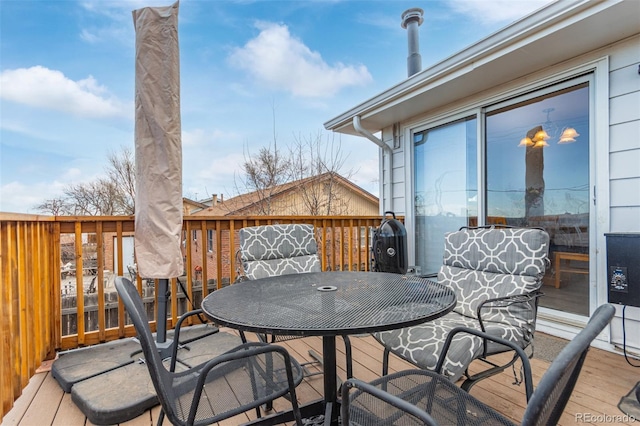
[[272, 250], [423, 397], [230, 384], [496, 273]]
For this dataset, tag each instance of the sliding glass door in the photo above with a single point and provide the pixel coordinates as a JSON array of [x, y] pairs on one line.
[[537, 175], [534, 172], [445, 186]]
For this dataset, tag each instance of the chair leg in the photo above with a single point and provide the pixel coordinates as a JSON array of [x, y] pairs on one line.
[[161, 417], [385, 362], [316, 356], [347, 353]]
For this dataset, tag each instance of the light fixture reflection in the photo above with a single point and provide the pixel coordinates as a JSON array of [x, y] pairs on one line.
[[526, 142], [569, 135], [541, 136], [538, 136]]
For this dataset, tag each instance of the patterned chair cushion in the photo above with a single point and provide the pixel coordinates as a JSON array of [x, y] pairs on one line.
[[474, 287], [273, 250], [514, 251], [479, 265], [422, 344], [272, 267]]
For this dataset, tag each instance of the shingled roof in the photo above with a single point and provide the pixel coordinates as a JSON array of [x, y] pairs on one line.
[[247, 203]]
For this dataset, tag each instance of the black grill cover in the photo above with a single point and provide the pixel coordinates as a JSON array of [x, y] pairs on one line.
[[390, 246]]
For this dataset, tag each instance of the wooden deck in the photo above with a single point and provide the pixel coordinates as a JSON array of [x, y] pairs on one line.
[[605, 378]]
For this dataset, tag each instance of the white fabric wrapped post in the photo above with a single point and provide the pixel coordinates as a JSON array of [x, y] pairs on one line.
[[158, 211]]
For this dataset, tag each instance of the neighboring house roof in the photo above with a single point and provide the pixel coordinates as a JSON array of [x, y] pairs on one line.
[[553, 34], [193, 203], [189, 205], [247, 202]]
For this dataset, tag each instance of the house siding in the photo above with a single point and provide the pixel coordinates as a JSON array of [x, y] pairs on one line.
[[623, 121], [393, 196], [624, 160], [344, 200], [624, 134]]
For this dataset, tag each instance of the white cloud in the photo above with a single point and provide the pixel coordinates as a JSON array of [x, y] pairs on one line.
[[210, 160], [496, 11], [22, 197], [211, 174], [279, 60], [115, 10], [73, 174], [88, 36], [49, 89], [222, 168], [112, 20], [201, 138], [18, 197]]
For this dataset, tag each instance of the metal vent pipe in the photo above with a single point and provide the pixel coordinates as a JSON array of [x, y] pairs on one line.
[[411, 20]]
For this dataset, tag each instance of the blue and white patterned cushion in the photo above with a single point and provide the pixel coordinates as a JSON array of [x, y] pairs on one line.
[[273, 250], [478, 264]]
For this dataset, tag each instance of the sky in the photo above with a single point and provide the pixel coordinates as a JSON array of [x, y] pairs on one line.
[[251, 72]]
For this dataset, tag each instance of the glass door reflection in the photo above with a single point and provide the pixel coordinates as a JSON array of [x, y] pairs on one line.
[[537, 174]]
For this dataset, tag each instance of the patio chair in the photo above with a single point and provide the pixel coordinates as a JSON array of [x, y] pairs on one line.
[[496, 273], [428, 398], [230, 384], [272, 250]]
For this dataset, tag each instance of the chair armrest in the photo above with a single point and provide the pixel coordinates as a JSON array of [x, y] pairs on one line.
[[246, 350], [378, 393], [528, 380], [176, 336], [503, 302]]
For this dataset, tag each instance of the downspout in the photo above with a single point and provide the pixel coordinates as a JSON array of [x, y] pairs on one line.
[[389, 152]]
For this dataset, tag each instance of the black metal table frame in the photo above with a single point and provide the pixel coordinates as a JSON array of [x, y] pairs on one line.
[[329, 405]]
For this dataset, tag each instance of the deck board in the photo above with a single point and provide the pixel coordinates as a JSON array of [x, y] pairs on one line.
[[605, 378]]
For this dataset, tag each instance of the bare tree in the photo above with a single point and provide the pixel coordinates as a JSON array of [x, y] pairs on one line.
[[107, 196], [55, 206], [314, 163], [122, 173], [321, 164], [263, 173], [97, 198]]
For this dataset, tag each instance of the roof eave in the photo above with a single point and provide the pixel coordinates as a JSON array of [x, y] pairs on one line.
[[482, 65]]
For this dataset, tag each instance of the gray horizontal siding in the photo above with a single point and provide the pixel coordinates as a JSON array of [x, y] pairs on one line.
[[624, 136]]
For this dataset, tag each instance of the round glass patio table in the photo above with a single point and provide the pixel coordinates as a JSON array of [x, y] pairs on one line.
[[327, 304]]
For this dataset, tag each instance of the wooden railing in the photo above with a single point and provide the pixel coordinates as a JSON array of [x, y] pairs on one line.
[[57, 272]]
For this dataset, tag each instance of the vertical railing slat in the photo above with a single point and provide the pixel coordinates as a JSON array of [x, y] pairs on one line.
[[120, 272], [79, 284], [55, 307], [218, 234], [24, 292], [100, 281], [203, 260]]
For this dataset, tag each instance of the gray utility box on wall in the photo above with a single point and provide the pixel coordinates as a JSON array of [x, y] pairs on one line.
[[623, 268]]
